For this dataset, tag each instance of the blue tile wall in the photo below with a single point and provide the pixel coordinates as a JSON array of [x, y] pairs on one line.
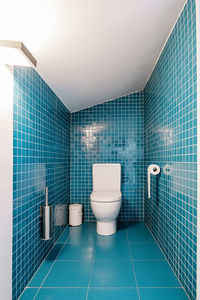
[[41, 152], [111, 132], [170, 123]]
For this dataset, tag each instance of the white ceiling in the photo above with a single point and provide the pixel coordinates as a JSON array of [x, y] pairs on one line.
[[90, 51]]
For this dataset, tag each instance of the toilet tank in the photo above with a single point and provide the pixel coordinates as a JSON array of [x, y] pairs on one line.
[[106, 177]]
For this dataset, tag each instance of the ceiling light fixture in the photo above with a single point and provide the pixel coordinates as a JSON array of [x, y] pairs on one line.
[[16, 53]]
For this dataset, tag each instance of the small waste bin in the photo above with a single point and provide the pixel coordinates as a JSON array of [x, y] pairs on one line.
[[75, 214], [60, 215]]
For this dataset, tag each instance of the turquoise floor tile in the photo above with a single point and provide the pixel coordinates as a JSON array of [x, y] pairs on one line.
[[68, 267], [138, 233], [113, 294], [89, 225], [78, 235], [155, 274], [118, 237], [54, 252], [41, 273], [85, 227], [76, 252], [61, 294], [112, 250], [45, 267], [146, 251], [64, 236], [112, 274], [69, 274], [135, 226], [164, 294], [28, 294], [121, 226]]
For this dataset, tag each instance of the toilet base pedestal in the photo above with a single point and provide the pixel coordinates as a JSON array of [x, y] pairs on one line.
[[106, 228]]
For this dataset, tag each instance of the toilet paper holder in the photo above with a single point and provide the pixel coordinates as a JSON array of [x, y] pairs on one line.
[[151, 170]]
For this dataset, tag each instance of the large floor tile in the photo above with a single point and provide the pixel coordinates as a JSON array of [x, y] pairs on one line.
[[54, 252], [76, 252], [112, 250], [45, 266], [61, 294], [118, 237], [89, 225], [64, 236], [39, 276], [66, 272], [155, 274], [28, 294], [85, 227], [69, 274], [138, 233], [112, 274], [122, 225], [146, 251], [113, 294], [79, 236], [164, 294]]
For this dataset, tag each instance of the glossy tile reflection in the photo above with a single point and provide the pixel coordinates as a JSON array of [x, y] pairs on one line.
[[170, 125], [109, 267], [111, 132], [41, 150]]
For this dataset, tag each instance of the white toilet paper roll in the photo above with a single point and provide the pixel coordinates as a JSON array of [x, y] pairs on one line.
[[152, 170]]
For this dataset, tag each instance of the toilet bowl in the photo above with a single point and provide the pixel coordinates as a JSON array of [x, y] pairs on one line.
[[106, 197]]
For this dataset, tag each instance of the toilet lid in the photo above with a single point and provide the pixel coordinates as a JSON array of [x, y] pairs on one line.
[[105, 196]]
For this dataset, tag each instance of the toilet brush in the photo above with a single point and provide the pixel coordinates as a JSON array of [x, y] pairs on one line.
[[46, 219]]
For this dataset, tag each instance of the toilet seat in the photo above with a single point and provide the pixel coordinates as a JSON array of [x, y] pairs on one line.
[[105, 197]]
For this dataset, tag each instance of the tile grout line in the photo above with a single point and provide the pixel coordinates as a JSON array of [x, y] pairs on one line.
[[89, 282], [27, 286], [109, 287], [113, 260], [132, 264], [92, 264], [166, 258], [51, 266]]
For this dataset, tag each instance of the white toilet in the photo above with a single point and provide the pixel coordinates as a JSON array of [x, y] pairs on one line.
[[106, 197]]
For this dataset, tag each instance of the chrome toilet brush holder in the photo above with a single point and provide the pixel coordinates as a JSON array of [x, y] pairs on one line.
[[46, 213]]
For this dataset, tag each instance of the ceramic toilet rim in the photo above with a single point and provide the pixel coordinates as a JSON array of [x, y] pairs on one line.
[[106, 201]]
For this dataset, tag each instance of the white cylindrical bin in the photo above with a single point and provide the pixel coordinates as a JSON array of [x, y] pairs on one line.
[[75, 214]]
